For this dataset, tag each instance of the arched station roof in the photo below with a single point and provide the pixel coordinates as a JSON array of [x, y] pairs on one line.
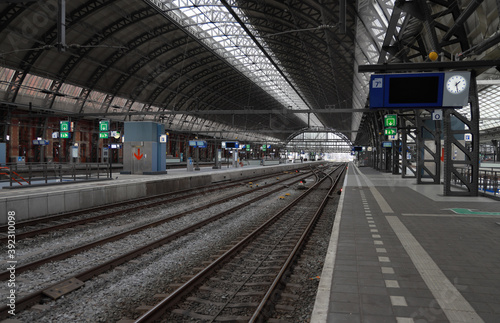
[[260, 69]]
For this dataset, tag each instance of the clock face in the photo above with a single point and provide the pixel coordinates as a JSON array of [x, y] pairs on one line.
[[456, 84]]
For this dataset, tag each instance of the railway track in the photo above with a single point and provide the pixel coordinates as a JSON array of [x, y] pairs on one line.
[[63, 255], [64, 220], [243, 283], [66, 285]]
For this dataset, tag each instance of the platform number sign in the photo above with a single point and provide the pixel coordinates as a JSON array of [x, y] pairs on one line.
[[378, 83]]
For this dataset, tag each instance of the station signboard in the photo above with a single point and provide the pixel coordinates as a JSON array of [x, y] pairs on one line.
[[390, 131], [419, 90]]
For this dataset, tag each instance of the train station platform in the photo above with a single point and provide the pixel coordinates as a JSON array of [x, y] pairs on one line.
[[38, 201], [402, 252]]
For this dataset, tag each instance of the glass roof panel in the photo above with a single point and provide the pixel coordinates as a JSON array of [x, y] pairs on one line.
[[209, 21], [489, 103]]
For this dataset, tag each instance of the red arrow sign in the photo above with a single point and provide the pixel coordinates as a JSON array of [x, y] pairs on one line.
[[138, 155]]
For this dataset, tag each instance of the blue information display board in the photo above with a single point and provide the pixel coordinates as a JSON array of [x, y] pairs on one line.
[[419, 90], [230, 145], [198, 143]]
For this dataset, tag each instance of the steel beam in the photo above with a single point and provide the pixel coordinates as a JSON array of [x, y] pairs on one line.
[[431, 66]]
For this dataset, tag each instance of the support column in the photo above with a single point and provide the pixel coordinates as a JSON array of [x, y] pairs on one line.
[[428, 149], [461, 160], [14, 140], [408, 128]]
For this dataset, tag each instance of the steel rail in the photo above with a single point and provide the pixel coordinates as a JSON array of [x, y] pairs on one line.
[[159, 309], [66, 254], [267, 301], [35, 297], [21, 224]]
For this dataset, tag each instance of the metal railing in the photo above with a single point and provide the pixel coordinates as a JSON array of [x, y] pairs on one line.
[[488, 181], [27, 174]]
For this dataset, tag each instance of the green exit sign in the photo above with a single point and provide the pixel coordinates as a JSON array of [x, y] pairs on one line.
[[390, 120], [64, 126], [390, 131], [64, 135], [104, 126], [103, 135]]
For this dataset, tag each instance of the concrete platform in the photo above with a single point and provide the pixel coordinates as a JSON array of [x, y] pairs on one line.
[[33, 202], [402, 252]]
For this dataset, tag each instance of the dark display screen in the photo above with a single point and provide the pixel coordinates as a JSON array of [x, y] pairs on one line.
[[404, 90], [232, 144]]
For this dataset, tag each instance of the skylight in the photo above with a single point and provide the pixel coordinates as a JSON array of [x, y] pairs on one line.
[[210, 22]]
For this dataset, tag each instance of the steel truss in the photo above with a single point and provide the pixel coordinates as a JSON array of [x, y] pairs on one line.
[[408, 129], [462, 169], [428, 148]]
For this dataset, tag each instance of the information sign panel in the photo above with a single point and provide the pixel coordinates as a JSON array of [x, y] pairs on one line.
[[390, 120], [390, 131], [103, 135], [437, 115], [115, 134], [40, 142], [419, 90], [64, 126], [64, 135], [386, 144], [104, 125]]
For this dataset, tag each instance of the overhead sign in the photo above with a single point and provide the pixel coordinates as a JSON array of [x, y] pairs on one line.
[[390, 120], [104, 125], [230, 144], [386, 144], [65, 126], [437, 115], [115, 134], [390, 131], [40, 142], [198, 143], [419, 90]]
